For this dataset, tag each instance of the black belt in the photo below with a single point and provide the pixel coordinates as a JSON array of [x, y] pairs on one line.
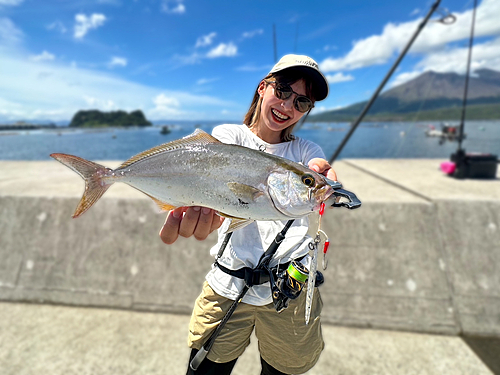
[[253, 276]]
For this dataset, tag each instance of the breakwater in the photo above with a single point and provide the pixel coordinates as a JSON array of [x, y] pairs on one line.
[[421, 254], [25, 126]]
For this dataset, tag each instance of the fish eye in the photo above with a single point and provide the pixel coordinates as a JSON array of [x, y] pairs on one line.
[[308, 180]]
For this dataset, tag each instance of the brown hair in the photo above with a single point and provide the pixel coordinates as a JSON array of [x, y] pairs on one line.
[[288, 76]]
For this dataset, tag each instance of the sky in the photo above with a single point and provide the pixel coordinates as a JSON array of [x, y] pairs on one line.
[[202, 60]]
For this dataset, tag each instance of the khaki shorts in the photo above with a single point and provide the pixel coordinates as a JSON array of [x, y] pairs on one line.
[[285, 342]]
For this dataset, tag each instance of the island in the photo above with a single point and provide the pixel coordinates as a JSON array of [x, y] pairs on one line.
[[96, 118]]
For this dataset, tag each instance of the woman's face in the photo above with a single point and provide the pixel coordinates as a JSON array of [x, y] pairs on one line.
[[277, 114]]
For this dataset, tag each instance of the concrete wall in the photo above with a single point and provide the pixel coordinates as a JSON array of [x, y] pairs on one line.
[[422, 254]]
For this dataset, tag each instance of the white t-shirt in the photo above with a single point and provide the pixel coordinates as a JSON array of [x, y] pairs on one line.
[[249, 243]]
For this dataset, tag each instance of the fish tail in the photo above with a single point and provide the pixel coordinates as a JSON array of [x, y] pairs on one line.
[[92, 173]]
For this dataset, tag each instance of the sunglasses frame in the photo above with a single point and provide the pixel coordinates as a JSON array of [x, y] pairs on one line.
[[280, 95]]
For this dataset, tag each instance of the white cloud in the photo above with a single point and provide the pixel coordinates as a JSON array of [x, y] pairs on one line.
[[117, 61], [205, 40], [173, 6], [55, 91], [339, 77], [223, 50], [102, 104], [44, 56], [192, 59], [378, 49], [9, 33], [166, 106], [84, 23], [204, 81], [10, 2], [58, 26], [484, 55], [253, 68], [251, 34], [403, 78], [415, 12]]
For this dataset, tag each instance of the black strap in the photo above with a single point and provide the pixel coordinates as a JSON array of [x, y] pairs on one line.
[[251, 276]]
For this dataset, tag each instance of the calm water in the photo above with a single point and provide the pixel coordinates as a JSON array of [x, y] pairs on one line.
[[370, 140]]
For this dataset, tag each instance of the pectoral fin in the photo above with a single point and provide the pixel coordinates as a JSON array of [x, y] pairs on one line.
[[245, 193]]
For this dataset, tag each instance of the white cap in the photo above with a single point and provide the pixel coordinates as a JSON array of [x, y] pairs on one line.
[[301, 61]]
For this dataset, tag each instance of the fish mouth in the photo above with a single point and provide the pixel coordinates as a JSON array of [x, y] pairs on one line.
[[322, 193]]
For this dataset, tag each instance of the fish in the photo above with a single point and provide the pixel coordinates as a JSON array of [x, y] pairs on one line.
[[239, 183]]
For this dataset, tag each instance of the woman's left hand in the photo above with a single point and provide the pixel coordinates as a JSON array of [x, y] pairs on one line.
[[322, 166]]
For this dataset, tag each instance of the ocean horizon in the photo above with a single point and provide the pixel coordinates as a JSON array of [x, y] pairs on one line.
[[371, 140]]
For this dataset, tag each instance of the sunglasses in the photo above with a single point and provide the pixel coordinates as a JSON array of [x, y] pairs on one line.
[[283, 91]]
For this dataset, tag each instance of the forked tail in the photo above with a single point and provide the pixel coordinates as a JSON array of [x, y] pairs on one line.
[[93, 175]]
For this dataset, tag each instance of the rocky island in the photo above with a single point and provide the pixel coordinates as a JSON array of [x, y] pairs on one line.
[[95, 118]]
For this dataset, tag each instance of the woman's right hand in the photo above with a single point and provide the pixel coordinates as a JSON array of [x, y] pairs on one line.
[[189, 221]]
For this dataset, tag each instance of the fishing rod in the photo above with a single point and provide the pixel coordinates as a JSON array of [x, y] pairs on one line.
[[469, 57], [354, 125], [465, 165]]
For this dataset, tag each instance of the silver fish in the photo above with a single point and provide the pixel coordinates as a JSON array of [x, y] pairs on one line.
[[198, 170]]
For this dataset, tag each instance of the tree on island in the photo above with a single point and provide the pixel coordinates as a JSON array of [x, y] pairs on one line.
[[95, 118]]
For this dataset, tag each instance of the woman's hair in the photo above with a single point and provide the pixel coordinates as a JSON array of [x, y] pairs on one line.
[[288, 76]]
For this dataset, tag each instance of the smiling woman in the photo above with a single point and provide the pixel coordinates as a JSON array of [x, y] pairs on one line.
[[281, 99]]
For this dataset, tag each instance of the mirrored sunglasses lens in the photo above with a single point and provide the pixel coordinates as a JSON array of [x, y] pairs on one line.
[[303, 104], [283, 91]]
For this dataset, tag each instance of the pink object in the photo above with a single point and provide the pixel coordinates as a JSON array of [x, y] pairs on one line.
[[448, 167]]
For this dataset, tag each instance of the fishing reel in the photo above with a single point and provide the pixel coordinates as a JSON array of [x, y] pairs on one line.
[[287, 284]]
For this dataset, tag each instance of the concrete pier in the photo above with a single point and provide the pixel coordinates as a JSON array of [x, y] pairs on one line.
[[421, 255]]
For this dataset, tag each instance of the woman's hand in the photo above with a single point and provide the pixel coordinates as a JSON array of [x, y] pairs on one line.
[[189, 221], [322, 166]]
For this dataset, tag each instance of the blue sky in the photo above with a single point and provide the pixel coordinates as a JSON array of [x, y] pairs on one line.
[[202, 60]]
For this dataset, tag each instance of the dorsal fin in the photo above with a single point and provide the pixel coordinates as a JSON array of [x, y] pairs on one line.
[[199, 137]]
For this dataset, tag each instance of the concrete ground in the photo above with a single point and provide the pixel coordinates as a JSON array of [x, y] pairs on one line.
[[57, 340]]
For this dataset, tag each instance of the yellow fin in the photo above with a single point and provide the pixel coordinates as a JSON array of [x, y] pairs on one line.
[[199, 137], [163, 206], [238, 224]]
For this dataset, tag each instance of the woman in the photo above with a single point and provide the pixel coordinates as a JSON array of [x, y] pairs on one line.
[[287, 345]]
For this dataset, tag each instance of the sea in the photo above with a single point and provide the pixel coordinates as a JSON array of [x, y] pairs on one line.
[[376, 140]]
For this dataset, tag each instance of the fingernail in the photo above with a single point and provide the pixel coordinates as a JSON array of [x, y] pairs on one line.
[[315, 168], [205, 210], [176, 214], [196, 208]]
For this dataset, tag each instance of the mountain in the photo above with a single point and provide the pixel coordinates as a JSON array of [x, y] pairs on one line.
[[430, 96]]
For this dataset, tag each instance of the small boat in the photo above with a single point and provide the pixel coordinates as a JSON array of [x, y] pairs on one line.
[[165, 130], [447, 133]]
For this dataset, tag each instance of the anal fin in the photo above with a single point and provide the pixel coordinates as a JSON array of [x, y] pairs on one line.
[[163, 206], [237, 223]]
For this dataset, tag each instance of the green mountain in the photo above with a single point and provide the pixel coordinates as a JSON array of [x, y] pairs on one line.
[[95, 118], [430, 96]]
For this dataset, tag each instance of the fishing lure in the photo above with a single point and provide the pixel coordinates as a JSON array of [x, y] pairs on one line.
[[313, 253]]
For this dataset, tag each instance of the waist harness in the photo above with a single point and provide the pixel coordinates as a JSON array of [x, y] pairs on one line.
[[254, 276]]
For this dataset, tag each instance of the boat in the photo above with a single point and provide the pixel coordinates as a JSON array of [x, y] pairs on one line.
[[165, 130], [446, 133]]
